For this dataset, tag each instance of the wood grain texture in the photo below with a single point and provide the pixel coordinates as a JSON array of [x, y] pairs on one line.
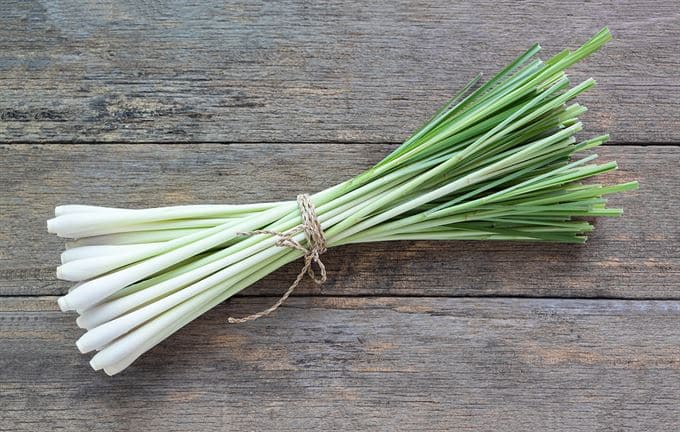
[[236, 71], [359, 364], [635, 256], [400, 337]]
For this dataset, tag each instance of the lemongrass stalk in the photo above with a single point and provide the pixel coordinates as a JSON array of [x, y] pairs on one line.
[[69, 221], [194, 210], [80, 208], [145, 226], [134, 237], [99, 251]]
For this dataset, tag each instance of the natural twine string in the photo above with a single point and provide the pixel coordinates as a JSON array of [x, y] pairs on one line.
[[316, 242]]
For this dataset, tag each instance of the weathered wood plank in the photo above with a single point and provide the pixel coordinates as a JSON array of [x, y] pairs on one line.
[[359, 364], [635, 256], [288, 71]]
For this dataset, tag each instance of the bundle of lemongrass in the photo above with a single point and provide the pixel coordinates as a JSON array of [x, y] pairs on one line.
[[492, 164]]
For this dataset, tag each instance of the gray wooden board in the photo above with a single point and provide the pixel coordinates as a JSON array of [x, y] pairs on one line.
[[635, 256], [300, 71], [328, 363]]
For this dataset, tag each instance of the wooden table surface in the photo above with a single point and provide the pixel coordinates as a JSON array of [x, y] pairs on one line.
[[150, 103]]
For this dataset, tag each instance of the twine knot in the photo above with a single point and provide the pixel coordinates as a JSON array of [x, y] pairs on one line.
[[316, 246]]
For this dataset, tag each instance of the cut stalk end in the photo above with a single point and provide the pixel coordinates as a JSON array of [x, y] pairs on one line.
[[63, 304]]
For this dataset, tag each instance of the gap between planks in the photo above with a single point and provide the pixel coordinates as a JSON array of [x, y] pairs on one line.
[[243, 295]]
